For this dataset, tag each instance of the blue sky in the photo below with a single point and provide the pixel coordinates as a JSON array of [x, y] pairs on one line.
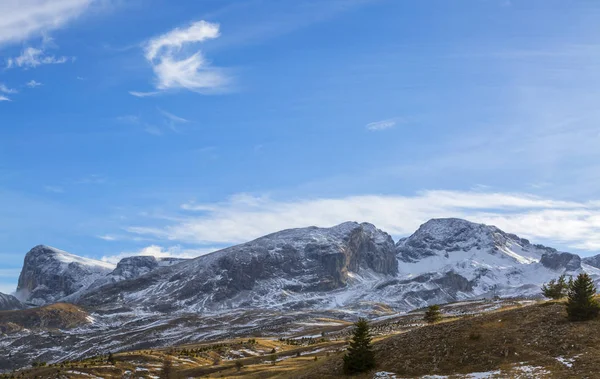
[[175, 128]]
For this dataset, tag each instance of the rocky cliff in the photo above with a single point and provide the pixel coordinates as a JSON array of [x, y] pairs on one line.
[[9, 302], [49, 275]]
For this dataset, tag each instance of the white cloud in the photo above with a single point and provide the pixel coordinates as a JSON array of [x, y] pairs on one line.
[[143, 94], [32, 84], [23, 19], [160, 252], [381, 125], [179, 64], [244, 217], [32, 57], [5, 89], [4, 98]]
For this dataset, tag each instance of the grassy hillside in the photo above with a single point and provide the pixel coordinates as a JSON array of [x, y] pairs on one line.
[[55, 316], [534, 340]]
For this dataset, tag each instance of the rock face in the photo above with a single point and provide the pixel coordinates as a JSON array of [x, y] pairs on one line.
[[592, 261], [279, 268], [564, 261], [483, 260], [50, 274], [9, 302], [451, 236]]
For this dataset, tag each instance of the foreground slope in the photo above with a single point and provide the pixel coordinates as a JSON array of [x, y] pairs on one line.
[[530, 341]]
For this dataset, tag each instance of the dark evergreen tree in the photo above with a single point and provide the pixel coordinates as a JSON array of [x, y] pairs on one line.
[[167, 369], [581, 304], [360, 357], [433, 314], [239, 365], [556, 289], [110, 360]]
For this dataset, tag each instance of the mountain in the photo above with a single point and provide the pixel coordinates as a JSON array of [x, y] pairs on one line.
[[593, 261], [278, 284], [295, 268], [9, 302], [478, 260], [49, 274]]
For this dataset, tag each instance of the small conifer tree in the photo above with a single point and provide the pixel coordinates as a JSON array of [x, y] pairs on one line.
[[556, 289], [110, 360], [239, 365], [360, 357], [581, 304], [166, 372], [433, 314]]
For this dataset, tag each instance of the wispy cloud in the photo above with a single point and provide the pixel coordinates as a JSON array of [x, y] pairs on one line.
[[172, 117], [143, 94], [381, 125], [179, 64], [54, 189], [5, 89], [139, 122], [160, 252], [23, 19], [32, 84], [4, 98], [32, 57], [244, 217]]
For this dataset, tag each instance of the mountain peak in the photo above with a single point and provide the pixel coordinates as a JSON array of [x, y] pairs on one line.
[[50, 274]]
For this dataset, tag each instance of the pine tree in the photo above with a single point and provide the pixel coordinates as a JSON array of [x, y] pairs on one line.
[[360, 357], [433, 314], [110, 360], [581, 304], [166, 373], [556, 289]]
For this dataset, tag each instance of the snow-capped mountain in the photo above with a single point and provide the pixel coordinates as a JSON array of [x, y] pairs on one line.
[[593, 261], [9, 302], [50, 274], [293, 268], [482, 260], [268, 284], [348, 266]]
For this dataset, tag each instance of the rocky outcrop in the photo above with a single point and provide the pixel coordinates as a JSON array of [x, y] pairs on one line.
[[561, 261], [49, 275], [265, 270], [446, 236], [593, 261], [9, 303]]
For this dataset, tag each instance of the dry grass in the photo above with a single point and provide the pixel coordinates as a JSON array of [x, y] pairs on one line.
[[55, 316], [507, 339], [536, 334]]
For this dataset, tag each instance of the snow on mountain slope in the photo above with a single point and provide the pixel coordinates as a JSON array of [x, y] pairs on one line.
[[491, 261], [50, 274], [320, 268], [9, 302], [295, 268]]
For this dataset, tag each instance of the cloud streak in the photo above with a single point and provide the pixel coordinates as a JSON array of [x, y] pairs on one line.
[[23, 19], [32, 57], [179, 64], [381, 125], [244, 217], [160, 252]]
